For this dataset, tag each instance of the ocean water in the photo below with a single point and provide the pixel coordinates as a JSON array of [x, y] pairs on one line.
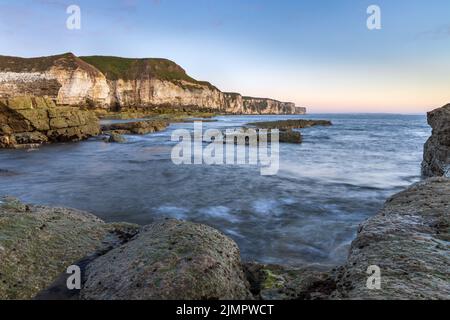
[[307, 214]]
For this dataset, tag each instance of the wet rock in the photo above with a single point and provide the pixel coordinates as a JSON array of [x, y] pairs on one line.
[[169, 260], [437, 149], [245, 134], [272, 282], [409, 241], [136, 127], [116, 138], [287, 128], [290, 136], [290, 124], [38, 243]]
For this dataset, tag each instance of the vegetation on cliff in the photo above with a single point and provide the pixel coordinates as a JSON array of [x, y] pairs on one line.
[[41, 64], [115, 68]]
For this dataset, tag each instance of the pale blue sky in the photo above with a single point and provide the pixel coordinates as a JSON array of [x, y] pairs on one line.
[[317, 53]]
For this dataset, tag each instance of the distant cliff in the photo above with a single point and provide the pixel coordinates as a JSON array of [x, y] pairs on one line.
[[113, 82]]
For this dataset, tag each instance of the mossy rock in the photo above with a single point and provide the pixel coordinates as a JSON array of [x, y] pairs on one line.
[[38, 243], [169, 260], [20, 103]]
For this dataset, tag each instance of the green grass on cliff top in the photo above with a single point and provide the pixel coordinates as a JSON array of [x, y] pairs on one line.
[[116, 68], [40, 64]]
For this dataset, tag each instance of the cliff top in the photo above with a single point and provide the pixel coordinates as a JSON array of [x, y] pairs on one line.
[[115, 68], [42, 64], [259, 98]]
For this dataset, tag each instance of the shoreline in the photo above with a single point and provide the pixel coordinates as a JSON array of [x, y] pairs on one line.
[[390, 245], [406, 240]]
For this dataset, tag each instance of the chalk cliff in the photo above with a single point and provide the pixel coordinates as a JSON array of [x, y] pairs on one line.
[[113, 82], [65, 78]]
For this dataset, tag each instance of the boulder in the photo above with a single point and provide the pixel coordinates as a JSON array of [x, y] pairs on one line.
[[437, 149], [116, 138], [409, 241], [169, 260], [38, 243]]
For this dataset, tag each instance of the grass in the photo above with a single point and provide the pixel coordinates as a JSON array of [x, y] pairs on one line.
[[41, 64], [113, 68], [116, 68]]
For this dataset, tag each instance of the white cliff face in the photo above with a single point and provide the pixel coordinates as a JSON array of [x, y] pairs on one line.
[[67, 87], [79, 86], [269, 106], [234, 103], [155, 92]]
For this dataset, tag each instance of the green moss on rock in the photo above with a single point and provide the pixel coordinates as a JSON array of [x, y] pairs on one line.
[[38, 243], [169, 260]]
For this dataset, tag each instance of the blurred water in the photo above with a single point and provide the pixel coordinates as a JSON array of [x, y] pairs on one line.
[[308, 213]]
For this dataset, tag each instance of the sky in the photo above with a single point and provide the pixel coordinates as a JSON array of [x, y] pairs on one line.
[[316, 53]]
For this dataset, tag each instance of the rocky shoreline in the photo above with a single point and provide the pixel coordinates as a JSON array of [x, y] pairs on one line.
[[407, 240]]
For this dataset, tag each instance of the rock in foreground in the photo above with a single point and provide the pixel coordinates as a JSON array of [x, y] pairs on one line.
[[38, 243], [169, 260], [409, 241], [437, 149]]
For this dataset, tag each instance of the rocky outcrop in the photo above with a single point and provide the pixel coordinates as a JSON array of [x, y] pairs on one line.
[[409, 241], [30, 121], [290, 124], [437, 149], [169, 260], [135, 127], [115, 83], [38, 243], [286, 128]]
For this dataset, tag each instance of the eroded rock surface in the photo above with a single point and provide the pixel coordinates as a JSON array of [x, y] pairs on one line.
[[169, 260], [30, 121], [409, 241], [272, 282], [437, 149], [38, 243]]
